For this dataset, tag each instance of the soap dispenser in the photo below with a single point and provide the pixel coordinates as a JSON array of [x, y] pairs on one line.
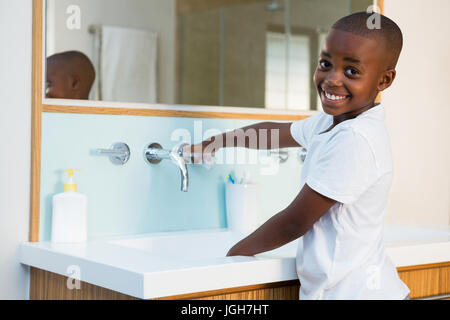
[[69, 213]]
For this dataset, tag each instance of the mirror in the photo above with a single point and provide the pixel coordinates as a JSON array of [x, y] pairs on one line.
[[240, 53]]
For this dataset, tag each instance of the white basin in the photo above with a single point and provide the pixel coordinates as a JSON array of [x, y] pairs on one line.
[[199, 244], [195, 244]]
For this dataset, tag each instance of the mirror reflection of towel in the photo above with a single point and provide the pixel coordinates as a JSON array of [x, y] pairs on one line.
[[128, 65]]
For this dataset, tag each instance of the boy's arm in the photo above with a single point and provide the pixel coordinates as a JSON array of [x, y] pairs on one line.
[[287, 225], [257, 136], [242, 137]]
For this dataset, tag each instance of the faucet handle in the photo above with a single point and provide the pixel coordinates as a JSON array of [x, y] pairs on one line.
[[118, 154]]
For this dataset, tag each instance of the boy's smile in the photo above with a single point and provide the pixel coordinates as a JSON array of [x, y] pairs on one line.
[[350, 73]]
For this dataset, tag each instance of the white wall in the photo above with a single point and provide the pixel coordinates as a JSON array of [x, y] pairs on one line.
[[15, 143], [418, 111]]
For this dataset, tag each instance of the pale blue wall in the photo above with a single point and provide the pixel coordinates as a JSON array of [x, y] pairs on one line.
[[137, 197]]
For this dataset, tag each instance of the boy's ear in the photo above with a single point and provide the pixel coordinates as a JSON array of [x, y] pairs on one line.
[[386, 80], [74, 82]]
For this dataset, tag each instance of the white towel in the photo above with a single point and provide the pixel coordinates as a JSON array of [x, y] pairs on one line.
[[128, 65]]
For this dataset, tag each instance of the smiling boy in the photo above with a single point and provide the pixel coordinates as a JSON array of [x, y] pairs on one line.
[[346, 177]]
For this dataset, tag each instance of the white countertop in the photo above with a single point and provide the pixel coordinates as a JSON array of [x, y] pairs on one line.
[[166, 264]]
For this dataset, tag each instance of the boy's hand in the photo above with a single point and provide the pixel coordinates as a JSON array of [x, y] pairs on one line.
[[198, 154], [234, 251]]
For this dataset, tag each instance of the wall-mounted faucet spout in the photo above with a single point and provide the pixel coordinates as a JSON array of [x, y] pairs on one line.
[[154, 154]]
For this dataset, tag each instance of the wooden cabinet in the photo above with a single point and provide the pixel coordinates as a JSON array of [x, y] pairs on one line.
[[427, 281], [47, 285], [424, 281]]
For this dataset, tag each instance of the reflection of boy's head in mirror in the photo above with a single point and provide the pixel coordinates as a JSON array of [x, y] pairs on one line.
[[70, 75]]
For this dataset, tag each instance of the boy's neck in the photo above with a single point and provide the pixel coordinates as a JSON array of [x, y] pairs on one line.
[[352, 114]]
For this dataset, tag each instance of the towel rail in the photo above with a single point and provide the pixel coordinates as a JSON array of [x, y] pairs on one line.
[[95, 29]]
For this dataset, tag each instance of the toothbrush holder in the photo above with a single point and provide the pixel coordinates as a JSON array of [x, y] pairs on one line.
[[242, 206]]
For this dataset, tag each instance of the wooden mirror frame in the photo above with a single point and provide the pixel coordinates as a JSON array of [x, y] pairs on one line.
[[39, 107]]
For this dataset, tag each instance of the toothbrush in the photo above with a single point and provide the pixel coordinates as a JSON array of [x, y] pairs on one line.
[[230, 179]]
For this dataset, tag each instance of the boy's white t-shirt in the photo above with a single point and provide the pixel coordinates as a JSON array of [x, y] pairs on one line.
[[343, 255]]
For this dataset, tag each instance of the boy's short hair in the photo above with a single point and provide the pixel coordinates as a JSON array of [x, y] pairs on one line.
[[389, 32], [76, 62]]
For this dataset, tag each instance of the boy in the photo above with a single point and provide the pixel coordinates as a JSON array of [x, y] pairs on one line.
[[347, 172], [70, 75]]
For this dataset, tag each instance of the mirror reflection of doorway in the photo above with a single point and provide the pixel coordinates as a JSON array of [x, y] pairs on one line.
[[287, 72]]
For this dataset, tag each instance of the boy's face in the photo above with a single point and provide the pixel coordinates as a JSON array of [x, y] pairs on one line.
[[350, 73]]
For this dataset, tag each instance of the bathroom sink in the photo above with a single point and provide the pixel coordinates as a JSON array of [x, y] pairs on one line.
[[184, 244], [195, 244], [215, 243]]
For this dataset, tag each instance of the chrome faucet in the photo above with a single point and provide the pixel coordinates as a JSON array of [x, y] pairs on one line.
[[154, 154]]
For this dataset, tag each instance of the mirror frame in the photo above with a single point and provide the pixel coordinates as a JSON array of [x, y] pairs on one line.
[[41, 105]]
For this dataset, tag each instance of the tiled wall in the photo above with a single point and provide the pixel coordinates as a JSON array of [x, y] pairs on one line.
[[138, 197]]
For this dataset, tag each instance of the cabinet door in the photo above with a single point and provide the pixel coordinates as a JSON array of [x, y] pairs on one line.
[[425, 282]]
